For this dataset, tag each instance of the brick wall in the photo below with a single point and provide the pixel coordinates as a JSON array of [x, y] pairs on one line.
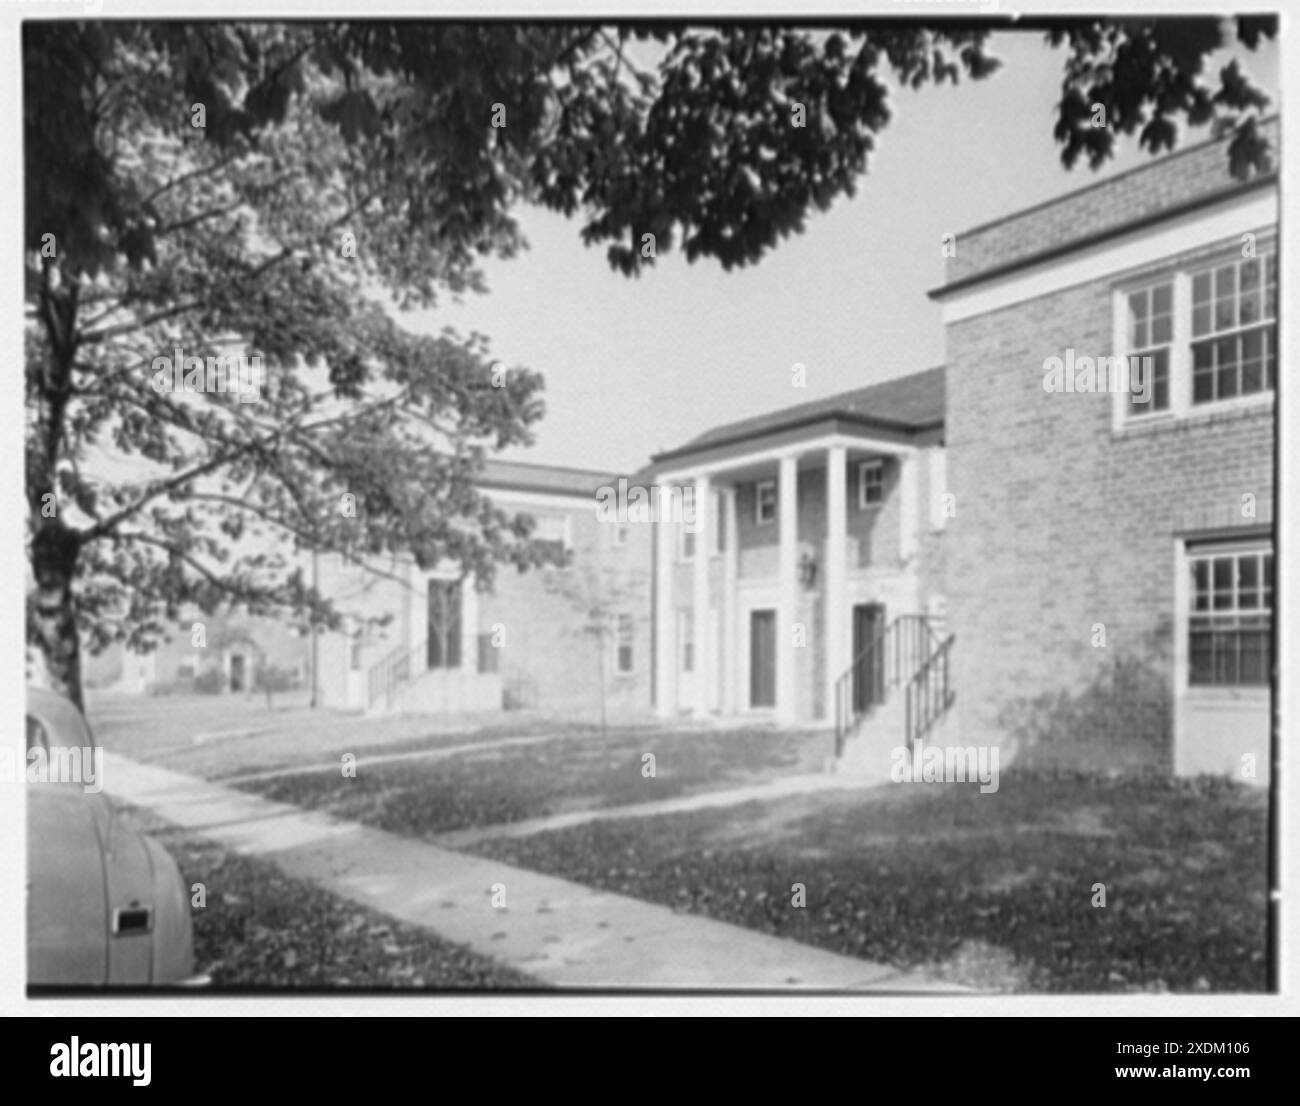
[[1187, 175], [548, 648], [1061, 524]]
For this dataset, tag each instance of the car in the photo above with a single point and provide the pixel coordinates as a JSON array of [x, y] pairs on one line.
[[106, 905]]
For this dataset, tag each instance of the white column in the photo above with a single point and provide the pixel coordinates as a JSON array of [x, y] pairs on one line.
[[703, 527], [787, 506], [469, 624], [729, 647], [665, 629], [907, 505], [835, 560]]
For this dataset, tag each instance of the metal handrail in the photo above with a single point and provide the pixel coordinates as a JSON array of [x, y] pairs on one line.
[[394, 670], [929, 693], [896, 652]]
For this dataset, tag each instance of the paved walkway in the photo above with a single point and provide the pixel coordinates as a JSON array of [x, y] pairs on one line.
[[365, 760], [559, 932], [734, 796]]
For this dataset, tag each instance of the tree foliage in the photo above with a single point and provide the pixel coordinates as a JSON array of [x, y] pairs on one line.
[[345, 171]]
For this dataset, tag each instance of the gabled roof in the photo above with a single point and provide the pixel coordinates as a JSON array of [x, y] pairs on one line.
[[553, 479], [909, 403]]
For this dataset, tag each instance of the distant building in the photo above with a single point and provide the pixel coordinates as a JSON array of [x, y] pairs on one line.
[[548, 638], [213, 654]]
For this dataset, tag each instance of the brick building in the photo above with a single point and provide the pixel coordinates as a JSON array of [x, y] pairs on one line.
[[1111, 556], [555, 639], [211, 654], [809, 533]]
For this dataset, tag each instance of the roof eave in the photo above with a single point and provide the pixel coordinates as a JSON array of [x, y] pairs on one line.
[[940, 293], [897, 425]]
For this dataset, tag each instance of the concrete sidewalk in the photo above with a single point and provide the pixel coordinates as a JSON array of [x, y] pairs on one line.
[[561, 933]]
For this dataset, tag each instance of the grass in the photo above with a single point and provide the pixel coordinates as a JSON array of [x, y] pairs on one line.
[[498, 785], [213, 736], [995, 891], [262, 930]]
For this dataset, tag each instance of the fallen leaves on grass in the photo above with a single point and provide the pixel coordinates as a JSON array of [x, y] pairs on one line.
[[958, 904], [262, 929]]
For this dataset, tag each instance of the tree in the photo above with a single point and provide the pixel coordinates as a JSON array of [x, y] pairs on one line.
[[599, 595], [270, 678], [287, 186]]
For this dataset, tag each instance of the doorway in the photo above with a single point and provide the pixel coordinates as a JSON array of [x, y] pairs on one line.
[[868, 671], [762, 658], [237, 672], [444, 624]]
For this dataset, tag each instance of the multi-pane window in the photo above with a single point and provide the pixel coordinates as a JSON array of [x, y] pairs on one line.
[[624, 638], [1230, 622], [765, 501], [1234, 329], [356, 644], [552, 531], [1150, 334], [871, 483]]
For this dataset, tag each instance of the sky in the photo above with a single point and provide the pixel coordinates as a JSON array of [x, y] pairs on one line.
[[634, 366]]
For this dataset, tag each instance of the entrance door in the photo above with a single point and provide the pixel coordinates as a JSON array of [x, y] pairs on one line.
[[444, 624], [237, 672], [762, 658], [868, 672]]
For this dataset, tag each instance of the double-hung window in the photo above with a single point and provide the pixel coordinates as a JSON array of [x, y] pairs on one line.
[[1234, 329], [1150, 335], [1197, 337], [1230, 623]]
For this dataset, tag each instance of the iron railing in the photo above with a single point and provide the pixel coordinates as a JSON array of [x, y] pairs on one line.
[[890, 660], [929, 693], [393, 671]]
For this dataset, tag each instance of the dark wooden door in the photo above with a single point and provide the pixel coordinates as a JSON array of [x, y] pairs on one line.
[[444, 624], [762, 658], [868, 671]]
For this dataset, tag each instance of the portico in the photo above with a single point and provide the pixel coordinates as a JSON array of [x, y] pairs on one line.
[[756, 584]]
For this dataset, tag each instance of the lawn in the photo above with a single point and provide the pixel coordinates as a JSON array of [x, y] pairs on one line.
[[260, 929], [494, 785], [215, 736], [995, 891]]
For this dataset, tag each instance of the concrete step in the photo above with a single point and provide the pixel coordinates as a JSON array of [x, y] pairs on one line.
[[868, 751]]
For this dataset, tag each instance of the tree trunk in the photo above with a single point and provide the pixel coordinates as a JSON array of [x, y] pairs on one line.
[[53, 628]]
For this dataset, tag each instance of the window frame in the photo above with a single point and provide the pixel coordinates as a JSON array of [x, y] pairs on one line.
[[1265, 324], [565, 540], [877, 465], [759, 485], [1181, 380], [624, 639], [1235, 620]]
